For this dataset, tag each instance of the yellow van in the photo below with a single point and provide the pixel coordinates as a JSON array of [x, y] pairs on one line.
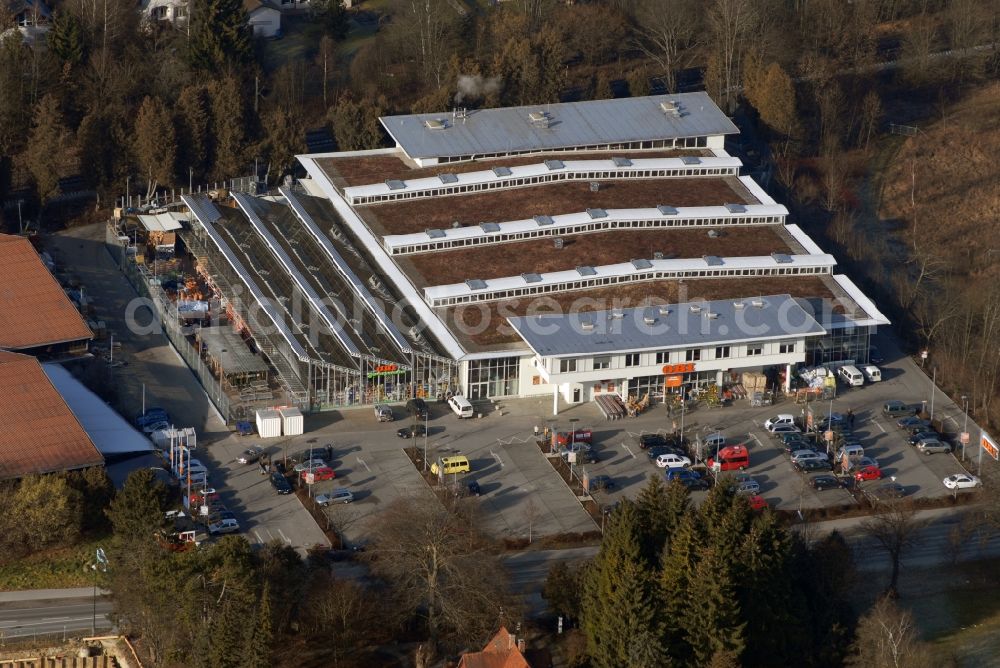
[[451, 465]]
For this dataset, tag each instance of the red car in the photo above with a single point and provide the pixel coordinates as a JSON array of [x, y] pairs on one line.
[[578, 436], [868, 473], [319, 473], [757, 502]]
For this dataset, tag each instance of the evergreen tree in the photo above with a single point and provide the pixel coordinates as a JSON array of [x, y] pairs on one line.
[[155, 143], [660, 507], [193, 121], [97, 490], [66, 39], [332, 16], [46, 147], [284, 138], [355, 124], [258, 648], [137, 509], [712, 619], [562, 589], [619, 606], [679, 561], [220, 35], [823, 574], [228, 127]]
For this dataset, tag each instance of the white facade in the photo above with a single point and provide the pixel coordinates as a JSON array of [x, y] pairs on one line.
[[265, 21]]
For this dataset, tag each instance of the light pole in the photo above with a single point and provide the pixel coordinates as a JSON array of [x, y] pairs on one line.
[[933, 391], [682, 415], [427, 415], [965, 427]]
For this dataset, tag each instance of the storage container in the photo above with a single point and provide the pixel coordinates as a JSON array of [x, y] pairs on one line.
[[291, 421], [268, 423]]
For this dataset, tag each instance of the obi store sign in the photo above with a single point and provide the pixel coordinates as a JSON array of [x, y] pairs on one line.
[[386, 370]]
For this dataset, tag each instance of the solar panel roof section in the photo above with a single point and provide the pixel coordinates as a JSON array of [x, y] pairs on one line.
[[202, 207], [245, 203], [448, 178], [255, 290], [359, 287], [590, 123], [561, 335]]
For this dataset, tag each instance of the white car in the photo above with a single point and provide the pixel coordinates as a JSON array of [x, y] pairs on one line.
[[313, 463], [784, 418], [803, 455], [962, 481], [672, 461]]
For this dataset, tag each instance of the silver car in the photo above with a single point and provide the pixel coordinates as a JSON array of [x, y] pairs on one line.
[[929, 446], [748, 486], [802, 455]]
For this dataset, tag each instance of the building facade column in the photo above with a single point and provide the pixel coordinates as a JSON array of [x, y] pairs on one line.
[[788, 378], [555, 399]]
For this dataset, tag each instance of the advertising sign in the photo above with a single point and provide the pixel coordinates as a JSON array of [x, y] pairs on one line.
[[989, 445]]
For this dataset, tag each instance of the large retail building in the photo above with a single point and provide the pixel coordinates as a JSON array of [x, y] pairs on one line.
[[567, 250]]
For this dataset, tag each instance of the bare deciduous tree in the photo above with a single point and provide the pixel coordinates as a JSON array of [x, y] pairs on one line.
[[441, 568], [894, 528], [887, 638], [666, 31]]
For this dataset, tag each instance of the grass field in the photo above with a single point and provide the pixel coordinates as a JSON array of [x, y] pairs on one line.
[[52, 569]]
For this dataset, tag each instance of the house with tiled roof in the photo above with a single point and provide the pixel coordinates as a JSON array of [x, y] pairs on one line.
[[502, 651], [38, 431], [37, 317]]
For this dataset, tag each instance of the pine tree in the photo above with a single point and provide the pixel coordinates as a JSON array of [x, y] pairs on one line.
[[660, 507], [220, 35], [46, 147], [332, 16], [155, 143], [137, 509], [193, 121], [680, 559], [66, 40], [258, 647], [228, 127], [283, 140], [712, 619], [619, 605]]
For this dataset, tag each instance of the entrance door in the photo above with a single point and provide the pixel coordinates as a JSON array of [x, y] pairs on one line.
[[576, 395]]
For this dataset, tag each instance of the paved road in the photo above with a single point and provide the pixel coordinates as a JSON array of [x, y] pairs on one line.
[[52, 611]]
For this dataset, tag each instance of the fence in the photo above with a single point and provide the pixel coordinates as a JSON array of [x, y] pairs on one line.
[[147, 286]]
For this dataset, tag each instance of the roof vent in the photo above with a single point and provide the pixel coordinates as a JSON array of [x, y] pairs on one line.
[[476, 284], [558, 243], [448, 178], [758, 303], [642, 264], [711, 315], [617, 314], [671, 108], [649, 319], [597, 213], [621, 162], [712, 260], [714, 234], [395, 184], [436, 124], [490, 227], [436, 234], [736, 208], [539, 118], [586, 271], [455, 225], [667, 210], [587, 325], [690, 160], [554, 164], [738, 306], [664, 310], [658, 255], [543, 220], [531, 278], [595, 186], [695, 308], [502, 171], [782, 258]]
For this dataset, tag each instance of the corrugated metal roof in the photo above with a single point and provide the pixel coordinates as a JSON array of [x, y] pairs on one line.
[[568, 124], [202, 207], [162, 222], [40, 433], [562, 335], [34, 309]]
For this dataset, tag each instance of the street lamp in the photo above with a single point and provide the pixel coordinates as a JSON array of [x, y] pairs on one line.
[[965, 427]]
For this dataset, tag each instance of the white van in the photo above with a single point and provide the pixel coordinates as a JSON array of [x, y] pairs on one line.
[[851, 376], [852, 452], [461, 406], [784, 418], [873, 374]]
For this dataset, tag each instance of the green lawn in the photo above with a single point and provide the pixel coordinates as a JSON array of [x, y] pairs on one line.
[[53, 569]]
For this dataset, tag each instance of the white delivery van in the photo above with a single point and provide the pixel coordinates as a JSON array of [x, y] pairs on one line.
[[873, 374], [461, 406], [851, 376]]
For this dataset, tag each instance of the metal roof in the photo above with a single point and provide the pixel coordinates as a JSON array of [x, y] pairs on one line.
[[202, 207], [167, 221], [562, 335], [569, 124]]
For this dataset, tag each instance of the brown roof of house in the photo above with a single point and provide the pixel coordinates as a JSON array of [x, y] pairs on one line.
[[38, 431], [34, 309], [500, 652]]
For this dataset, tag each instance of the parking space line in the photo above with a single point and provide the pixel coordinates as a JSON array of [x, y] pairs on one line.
[[878, 424], [284, 537], [497, 457], [628, 450], [259, 539], [364, 463], [754, 437]]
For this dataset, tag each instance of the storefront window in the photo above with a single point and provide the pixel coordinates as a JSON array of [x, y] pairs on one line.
[[494, 377]]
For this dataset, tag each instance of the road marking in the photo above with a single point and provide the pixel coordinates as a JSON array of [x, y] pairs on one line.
[[284, 537], [259, 539], [497, 457], [878, 424], [754, 437], [364, 463], [15, 624], [628, 450], [512, 439]]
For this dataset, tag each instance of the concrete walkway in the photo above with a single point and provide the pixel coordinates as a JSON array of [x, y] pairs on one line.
[[49, 594]]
